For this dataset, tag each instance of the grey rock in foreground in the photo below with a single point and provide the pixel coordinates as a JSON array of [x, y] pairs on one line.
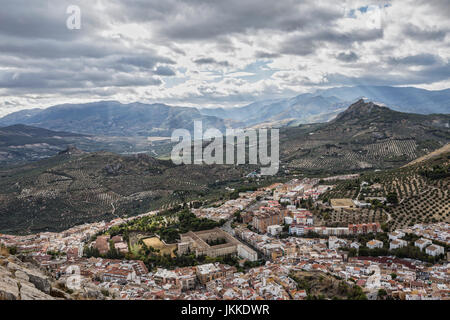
[[18, 282]]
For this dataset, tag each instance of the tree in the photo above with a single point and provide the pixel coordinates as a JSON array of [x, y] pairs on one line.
[[392, 198], [382, 293], [356, 293]]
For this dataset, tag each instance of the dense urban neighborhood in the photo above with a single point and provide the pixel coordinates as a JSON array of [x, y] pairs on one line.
[[271, 243]]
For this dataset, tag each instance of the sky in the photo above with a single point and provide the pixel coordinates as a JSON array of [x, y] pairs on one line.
[[208, 53]]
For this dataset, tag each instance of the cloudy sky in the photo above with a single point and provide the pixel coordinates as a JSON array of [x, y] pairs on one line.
[[215, 53]]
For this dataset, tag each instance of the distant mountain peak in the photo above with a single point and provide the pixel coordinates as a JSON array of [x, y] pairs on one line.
[[360, 108]]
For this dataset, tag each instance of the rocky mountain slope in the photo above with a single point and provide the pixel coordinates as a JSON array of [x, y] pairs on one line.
[[111, 118], [23, 281], [404, 99]]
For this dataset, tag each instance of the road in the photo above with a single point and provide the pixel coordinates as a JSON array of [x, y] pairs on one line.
[[227, 227]]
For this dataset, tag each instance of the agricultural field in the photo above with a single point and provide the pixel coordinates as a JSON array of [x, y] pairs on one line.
[[344, 217], [59, 192], [344, 189], [417, 193]]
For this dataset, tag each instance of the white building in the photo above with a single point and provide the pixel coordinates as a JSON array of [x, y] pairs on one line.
[[355, 245], [434, 250], [396, 235], [398, 243], [361, 204], [288, 220], [274, 229], [247, 253], [374, 244], [422, 243], [297, 229], [335, 243]]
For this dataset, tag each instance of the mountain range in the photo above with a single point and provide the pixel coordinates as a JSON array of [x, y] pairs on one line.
[[112, 118], [323, 105]]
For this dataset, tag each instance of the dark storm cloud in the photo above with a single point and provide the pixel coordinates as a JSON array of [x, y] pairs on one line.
[[417, 33], [424, 59], [307, 43], [206, 19], [266, 55], [347, 57], [65, 80], [164, 71], [47, 55], [51, 48], [146, 61], [382, 77], [203, 61]]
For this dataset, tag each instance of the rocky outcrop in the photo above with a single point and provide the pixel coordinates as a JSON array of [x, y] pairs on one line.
[[29, 292], [113, 168], [71, 150], [91, 291], [37, 278], [22, 282], [58, 293], [9, 289], [40, 281]]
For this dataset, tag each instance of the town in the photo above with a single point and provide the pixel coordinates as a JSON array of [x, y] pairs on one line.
[[272, 243]]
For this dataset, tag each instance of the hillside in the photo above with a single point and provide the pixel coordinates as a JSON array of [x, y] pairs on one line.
[[431, 155], [72, 188], [22, 143], [421, 190], [365, 136], [111, 118]]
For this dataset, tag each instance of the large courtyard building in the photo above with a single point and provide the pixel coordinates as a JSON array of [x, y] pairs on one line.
[[214, 243]]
